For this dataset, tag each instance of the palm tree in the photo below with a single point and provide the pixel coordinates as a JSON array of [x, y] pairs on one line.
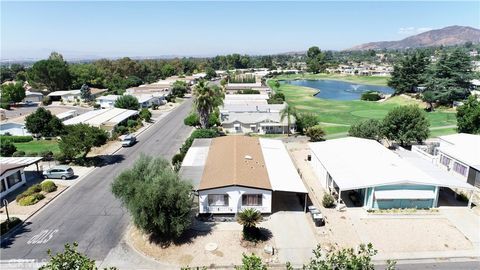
[[287, 112], [207, 99], [249, 218]]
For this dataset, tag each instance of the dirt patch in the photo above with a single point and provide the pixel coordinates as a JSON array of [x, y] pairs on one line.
[[193, 253], [436, 234]]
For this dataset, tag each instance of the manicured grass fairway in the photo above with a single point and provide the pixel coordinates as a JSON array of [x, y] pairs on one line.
[[345, 113], [38, 146]]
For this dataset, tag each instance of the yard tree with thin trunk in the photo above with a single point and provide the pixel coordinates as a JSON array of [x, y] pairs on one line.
[[288, 112], [305, 121], [145, 114], [276, 84], [206, 99], [406, 125], [43, 122], [468, 116], [158, 200], [79, 139], [128, 102], [179, 88], [368, 129]]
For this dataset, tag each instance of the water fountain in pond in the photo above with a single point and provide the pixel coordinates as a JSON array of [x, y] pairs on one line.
[[354, 88]]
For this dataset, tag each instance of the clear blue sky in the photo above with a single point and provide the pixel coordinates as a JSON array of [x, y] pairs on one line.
[[112, 29]]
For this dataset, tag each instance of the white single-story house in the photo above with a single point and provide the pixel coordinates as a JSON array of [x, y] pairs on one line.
[[251, 108], [107, 101], [248, 97], [12, 175], [232, 173], [106, 119], [64, 116], [369, 175], [66, 95], [257, 122], [14, 129], [460, 155], [33, 96]]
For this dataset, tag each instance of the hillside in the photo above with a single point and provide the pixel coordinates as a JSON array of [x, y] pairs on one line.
[[448, 36]]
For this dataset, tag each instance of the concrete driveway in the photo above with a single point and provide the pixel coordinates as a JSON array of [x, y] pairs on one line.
[[293, 231]]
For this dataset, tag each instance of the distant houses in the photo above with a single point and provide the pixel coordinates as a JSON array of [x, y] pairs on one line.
[[252, 114]]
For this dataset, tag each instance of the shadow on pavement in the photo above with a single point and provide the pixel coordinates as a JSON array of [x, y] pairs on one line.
[[7, 242]]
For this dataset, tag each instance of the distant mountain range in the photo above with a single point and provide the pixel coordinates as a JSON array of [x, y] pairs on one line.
[[448, 36]]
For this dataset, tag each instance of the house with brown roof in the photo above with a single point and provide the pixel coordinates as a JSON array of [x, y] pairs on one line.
[[232, 173]]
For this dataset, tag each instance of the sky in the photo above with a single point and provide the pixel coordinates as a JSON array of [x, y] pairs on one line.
[[142, 29]]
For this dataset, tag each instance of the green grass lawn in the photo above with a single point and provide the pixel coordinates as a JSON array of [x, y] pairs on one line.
[[345, 113], [373, 80], [38, 146], [442, 131]]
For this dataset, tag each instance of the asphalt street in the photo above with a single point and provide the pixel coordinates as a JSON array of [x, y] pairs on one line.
[[88, 213]]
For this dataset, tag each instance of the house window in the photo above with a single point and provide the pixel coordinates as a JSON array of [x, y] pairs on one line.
[[14, 179], [252, 199], [459, 168], [445, 161], [218, 199]]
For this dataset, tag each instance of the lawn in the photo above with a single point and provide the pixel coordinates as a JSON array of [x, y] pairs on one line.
[[336, 115], [373, 80], [38, 146]]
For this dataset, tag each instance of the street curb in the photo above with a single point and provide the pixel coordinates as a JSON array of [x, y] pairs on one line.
[[10, 233], [14, 229]]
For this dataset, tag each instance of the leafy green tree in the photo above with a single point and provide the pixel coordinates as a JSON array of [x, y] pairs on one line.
[[157, 198], [88, 74], [167, 70], [406, 125], [43, 122], [288, 112], [85, 93], [128, 102], [468, 116], [7, 148], [368, 129], [210, 73], [12, 92], [316, 60], [179, 88], [315, 133], [207, 99], [276, 84], [305, 121], [251, 262], [52, 73], [145, 114], [79, 139], [409, 73], [70, 259]]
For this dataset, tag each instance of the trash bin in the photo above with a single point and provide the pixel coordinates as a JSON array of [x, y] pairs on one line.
[[309, 157], [318, 220]]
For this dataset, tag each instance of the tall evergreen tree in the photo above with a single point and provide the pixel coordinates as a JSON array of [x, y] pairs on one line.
[[409, 73]]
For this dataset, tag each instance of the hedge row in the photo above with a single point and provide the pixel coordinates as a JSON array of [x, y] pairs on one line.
[[16, 139]]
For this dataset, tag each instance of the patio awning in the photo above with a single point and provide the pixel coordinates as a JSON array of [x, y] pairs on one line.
[[404, 194]]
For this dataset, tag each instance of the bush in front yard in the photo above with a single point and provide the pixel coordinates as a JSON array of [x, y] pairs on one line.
[[48, 186], [18, 154], [31, 199], [328, 201], [30, 191]]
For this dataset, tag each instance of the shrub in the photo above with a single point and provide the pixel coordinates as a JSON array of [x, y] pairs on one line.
[[328, 201], [7, 148], [17, 139], [145, 114], [60, 157], [31, 154], [192, 120], [315, 133], [47, 155], [121, 130], [131, 123], [46, 101], [31, 199], [177, 159], [371, 96], [48, 186], [5, 105], [6, 226], [18, 154], [96, 106], [30, 191]]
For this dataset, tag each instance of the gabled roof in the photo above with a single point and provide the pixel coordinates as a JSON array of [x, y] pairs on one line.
[[356, 163], [235, 161]]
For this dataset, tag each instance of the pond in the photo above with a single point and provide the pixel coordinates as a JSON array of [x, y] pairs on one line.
[[340, 90]]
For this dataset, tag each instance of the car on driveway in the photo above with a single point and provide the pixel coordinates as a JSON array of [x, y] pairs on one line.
[[60, 172], [128, 140]]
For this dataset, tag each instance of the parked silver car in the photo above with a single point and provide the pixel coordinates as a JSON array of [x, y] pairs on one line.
[[128, 140], [60, 172]]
